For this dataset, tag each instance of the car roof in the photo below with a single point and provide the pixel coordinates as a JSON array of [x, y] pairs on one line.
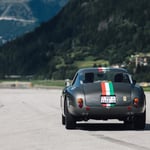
[[102, 69]]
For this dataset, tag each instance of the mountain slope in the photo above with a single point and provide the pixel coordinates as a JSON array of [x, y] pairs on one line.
[[46, 9], [19, 17], [84, 30]]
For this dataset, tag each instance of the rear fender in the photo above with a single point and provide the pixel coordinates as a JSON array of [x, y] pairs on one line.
[[72, 97], [138, 92]]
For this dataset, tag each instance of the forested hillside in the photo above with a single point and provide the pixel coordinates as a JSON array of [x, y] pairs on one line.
[[103, 31]]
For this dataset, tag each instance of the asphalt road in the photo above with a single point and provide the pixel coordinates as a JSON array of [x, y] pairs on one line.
[[30, 119]]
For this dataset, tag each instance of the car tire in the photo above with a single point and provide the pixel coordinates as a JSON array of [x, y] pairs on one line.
[[139, 121], [63, 120], [70, 122], [128, 123]]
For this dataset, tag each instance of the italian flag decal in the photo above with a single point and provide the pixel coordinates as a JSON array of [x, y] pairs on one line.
[[107, 88], [108, 105]]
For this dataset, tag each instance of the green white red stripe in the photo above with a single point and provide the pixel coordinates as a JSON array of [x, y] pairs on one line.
[[102, 69], [108, 105], [107, 88]]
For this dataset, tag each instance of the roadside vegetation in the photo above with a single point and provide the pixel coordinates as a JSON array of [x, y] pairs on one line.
[[95, 33], [53, 83], [146, 89], [48, 83]]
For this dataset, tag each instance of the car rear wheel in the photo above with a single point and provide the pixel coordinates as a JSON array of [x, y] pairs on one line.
[[63, 120], [70, 122], [139, 121], [128, 123]]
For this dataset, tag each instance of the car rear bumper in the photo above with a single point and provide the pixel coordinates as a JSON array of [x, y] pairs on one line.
[[117, 112]]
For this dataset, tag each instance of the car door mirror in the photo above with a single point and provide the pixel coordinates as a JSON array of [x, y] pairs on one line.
[[67, 82], [134, 82]]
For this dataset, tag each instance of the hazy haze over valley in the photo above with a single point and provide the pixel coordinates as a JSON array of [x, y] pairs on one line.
[[20, 16]]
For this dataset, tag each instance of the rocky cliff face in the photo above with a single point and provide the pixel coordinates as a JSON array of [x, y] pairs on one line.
[[20, 16]]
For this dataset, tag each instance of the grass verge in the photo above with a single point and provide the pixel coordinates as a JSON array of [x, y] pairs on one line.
[[59, 83]]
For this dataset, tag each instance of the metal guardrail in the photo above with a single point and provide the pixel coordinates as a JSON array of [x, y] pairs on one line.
[[24, 85], [16, 84]]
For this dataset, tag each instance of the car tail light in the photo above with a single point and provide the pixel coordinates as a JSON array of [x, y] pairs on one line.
[[136, 101], [87, 108], [80, 102], [129, 108]]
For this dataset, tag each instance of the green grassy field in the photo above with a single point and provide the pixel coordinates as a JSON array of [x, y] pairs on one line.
[[146, 89], [53, 83], [59, 83]]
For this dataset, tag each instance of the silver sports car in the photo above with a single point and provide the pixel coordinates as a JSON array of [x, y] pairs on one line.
[[101, 94]]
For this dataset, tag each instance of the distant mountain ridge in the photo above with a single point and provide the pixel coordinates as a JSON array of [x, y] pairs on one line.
[[19, 17], [83, 31]]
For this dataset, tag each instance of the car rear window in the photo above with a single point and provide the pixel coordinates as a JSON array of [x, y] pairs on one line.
[[90, 77]]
